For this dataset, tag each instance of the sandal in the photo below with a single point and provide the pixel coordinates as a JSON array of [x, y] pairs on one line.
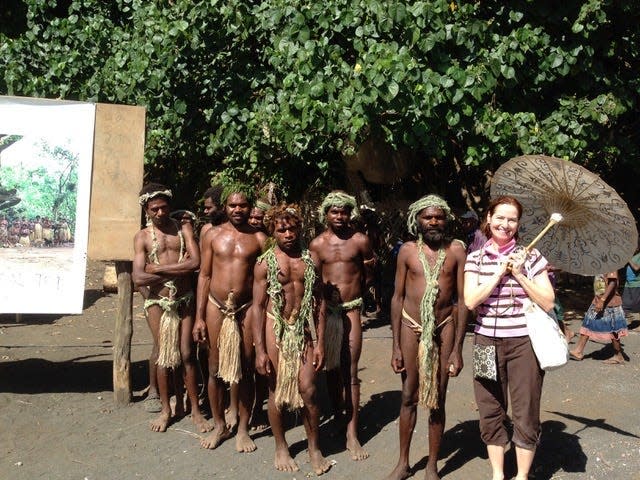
[[152, 404], [576, 357]]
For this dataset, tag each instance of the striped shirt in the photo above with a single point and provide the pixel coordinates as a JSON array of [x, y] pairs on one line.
[[500, 314]]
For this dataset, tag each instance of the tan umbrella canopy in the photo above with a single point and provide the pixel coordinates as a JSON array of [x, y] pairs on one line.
[[598, 233]]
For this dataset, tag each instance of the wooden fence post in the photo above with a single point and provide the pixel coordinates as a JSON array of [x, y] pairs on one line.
[[123, 333]]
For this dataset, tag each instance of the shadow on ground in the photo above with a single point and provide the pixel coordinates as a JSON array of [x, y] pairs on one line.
[[91, 373], [10, 319], [558, 450]]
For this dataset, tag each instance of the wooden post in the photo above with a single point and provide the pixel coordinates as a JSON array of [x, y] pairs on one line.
[[123, 333]]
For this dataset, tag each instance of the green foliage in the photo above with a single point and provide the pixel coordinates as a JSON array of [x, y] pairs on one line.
[[45, 192], [280, 90]]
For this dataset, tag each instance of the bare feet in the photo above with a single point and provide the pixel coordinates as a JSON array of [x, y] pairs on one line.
[[399, 473], [615, 360], [283, 461], [231, 418], [200, 422], [215, 439], [357, 452], [431, 473], [576, 355], [244, 444], [161, 423], [319, 464]]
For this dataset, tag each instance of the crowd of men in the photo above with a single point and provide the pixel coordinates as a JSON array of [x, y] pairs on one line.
[[271, 314], [37, 232]]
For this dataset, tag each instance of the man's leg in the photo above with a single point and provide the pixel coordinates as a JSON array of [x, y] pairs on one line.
[[231, 412], [349, 367], [246, 389], [215, 385], [311, 412], [177, 382], [152, 403], [282, 459], [437, 417], [258, 420], [187, 352], [161, 423], [409, 402]]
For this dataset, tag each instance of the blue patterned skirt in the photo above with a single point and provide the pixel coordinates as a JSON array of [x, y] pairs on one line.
[[606, 325]]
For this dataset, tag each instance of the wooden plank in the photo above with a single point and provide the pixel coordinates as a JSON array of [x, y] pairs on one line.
[[123, 334], [118, 167]]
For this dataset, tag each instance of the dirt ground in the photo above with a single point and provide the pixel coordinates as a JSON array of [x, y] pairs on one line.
[[59, 420]]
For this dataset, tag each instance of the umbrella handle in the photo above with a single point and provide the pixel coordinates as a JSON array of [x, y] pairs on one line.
[[552, 222], [555, 218]]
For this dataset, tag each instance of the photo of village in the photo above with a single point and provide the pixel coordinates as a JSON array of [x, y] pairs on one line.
[[40, 173]]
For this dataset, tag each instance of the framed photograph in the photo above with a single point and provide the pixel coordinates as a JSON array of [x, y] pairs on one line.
[[46, 154]]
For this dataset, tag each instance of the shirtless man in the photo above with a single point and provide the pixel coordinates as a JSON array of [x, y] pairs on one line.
[[258, 416], [346, 262], [256, 217], [166, 254], [259, 419], [285, 322], [213, 210], [429, 273], [213, 215], [229, 253]]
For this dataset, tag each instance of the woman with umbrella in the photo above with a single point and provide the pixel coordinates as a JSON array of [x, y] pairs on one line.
[[498, 278]]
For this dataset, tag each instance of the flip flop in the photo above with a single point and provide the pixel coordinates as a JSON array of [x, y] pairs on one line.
[[152, 404], [613, 361], [575, 357]]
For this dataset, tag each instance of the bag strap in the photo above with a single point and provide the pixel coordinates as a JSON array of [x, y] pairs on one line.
[[495, 318]]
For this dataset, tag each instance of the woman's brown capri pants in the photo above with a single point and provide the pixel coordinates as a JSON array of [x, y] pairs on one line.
[[520, 377]]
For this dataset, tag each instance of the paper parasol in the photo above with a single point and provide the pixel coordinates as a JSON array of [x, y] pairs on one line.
[[598, 233]]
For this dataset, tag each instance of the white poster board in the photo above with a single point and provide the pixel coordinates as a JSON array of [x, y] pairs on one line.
[[46, 151]]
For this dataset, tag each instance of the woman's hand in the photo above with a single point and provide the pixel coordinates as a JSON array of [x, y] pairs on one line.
[[516, 261]]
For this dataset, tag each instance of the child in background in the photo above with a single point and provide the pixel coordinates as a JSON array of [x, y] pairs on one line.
[[605, 320]]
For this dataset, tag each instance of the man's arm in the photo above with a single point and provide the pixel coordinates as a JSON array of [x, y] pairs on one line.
[[190, 262], [138, 274], [258, 316], [456, 363], [368, 260], [321, 315], [262, 240], [397, 362], [202, 289], [314, 250], [203, 232]]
